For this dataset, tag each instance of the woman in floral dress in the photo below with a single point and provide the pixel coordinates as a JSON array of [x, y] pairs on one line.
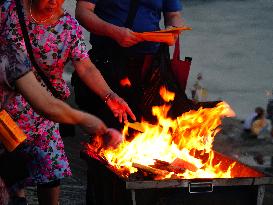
[[56, 38], [17, 78]]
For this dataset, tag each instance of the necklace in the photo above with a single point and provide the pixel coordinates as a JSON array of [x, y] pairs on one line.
[[34, 19]]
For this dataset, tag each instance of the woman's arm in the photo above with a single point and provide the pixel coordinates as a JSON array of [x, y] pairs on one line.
[[58, 111], [91, 76], [54, 109], [91, 22], [173, 19]]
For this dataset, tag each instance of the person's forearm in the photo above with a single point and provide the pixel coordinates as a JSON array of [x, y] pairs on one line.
[[91, 22], [41, 101], [46, 105], [125, 37], [58, 111], [92, 77], [55, 109], [91, 124], [173, 19]]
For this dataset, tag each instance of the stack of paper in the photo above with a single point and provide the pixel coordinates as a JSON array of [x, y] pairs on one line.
[[163, 36]]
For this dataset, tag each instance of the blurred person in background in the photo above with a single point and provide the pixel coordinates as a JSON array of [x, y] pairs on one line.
[[199, 93], [259, 125], [256, 125], [249, 120]]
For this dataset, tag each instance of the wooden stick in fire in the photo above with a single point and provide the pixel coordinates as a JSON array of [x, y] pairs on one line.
[[162, 165], [184, 164], [150, 169], [139, 126], [136, 126]]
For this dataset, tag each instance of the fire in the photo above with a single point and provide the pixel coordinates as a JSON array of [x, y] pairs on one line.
[[125, 82], [166, 95], [184, 142]]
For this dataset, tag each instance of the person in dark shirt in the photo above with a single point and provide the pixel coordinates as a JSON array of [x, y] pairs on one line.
[[117, 52]]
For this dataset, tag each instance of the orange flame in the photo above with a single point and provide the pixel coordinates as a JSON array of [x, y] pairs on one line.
[[187, 140], [125, 82], [166, 95]]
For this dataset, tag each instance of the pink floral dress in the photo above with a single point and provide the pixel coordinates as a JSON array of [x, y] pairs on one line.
[[53, 46]]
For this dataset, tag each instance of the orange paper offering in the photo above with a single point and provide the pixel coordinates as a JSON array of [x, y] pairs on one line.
[[174, 30], [10, 134], [162, 36]]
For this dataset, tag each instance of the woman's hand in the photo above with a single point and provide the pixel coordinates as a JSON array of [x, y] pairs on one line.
[[91, 124], [119, 107], [95, 127], [112, 138], [90, 75]]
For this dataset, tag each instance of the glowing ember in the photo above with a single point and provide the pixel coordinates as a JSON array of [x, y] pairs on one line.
[[184, 142], [166, 95], [125, 82]]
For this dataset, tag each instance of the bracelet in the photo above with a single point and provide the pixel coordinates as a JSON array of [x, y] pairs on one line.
[[107, 97]]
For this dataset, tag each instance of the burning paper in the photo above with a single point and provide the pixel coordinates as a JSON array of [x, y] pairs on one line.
[[183, 143]]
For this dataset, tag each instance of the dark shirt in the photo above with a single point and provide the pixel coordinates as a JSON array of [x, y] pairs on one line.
[[147, 18]]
